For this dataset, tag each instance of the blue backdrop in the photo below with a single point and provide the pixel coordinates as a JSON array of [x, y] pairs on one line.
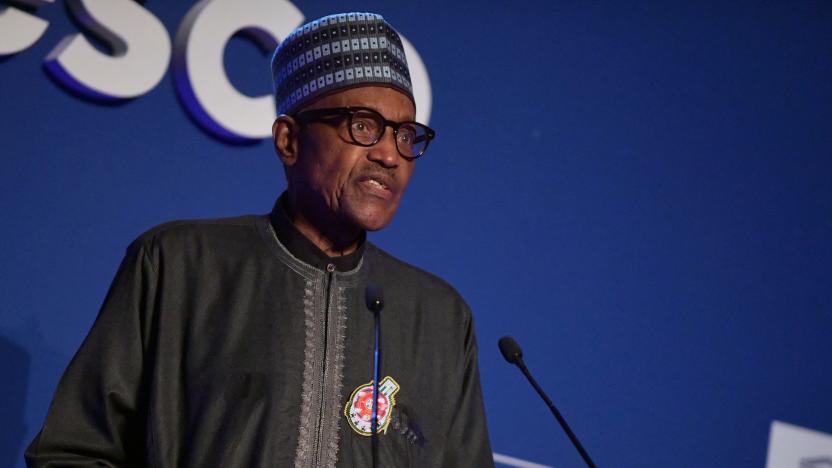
[[638, 192]]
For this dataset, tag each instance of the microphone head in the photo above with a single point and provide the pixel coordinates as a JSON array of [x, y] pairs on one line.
[[374, 298], [511, 350]]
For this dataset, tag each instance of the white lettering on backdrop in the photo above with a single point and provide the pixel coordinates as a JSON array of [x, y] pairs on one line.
[[141, 50], [18, 29], [199, 71]]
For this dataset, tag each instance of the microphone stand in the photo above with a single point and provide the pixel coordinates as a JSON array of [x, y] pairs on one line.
[[514, 355], [375, 302], [557, 414], [376, 368]]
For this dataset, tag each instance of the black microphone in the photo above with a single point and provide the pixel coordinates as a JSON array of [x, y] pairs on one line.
[[374, 298], [514, 355], [511, 350], [375, 302]]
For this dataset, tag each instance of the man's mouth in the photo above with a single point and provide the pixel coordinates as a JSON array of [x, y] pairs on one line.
[[377, 185]]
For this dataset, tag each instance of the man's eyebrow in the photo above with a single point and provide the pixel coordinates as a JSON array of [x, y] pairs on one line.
[[405, 119]]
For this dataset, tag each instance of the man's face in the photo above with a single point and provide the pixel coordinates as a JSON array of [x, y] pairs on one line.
[[344, 183]]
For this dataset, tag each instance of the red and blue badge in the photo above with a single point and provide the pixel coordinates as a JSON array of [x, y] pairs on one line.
[[359, 408]]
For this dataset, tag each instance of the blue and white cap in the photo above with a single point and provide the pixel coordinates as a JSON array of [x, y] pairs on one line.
[[338, 52]]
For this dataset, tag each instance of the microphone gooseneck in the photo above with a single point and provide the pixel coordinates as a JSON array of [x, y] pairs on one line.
[[374, 298], [514, 355]]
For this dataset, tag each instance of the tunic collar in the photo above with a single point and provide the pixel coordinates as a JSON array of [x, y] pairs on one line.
[[304, 249]]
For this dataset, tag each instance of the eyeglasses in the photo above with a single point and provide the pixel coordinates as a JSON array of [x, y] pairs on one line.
[[367, 126]]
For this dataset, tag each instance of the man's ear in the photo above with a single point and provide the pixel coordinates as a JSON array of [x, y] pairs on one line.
[[285, 132]]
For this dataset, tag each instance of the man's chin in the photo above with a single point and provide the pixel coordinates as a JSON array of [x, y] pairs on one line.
[[375, 225], [373, 220]]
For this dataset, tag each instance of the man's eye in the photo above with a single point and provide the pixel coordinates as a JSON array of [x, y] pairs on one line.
[[364, 125], [406, 136]]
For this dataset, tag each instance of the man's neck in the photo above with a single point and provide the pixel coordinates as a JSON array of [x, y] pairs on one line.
[[334, 239]]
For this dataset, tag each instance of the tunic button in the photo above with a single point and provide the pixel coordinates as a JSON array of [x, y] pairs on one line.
[[330, 268]]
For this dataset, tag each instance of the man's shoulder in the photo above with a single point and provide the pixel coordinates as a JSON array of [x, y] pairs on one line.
[[410, 277], [381, 259], [208, 230]]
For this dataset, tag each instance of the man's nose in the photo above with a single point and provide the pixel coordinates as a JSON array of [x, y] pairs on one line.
[[385, 152]]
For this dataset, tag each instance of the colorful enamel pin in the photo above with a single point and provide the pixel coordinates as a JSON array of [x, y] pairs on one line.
[[359, 408]]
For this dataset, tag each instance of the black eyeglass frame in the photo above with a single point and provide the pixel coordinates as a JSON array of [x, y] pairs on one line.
[[319, 115]]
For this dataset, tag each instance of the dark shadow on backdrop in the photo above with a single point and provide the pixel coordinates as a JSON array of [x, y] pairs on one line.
[[14, 379]]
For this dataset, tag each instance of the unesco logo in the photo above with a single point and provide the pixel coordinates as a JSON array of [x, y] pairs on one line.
[[142, 51]]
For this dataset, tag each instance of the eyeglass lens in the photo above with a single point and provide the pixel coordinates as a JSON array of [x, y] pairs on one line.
[[367, 127]]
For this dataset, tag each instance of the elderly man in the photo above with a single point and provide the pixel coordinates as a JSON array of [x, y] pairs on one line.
[[248, 341]]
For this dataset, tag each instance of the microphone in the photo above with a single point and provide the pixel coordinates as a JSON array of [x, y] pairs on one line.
[[374, 298], [511, 350], [514, 355]]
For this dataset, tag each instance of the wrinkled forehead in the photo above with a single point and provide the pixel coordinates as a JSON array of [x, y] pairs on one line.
[[390, 102]]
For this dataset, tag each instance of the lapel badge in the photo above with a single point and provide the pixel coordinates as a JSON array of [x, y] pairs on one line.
[[359, 408]]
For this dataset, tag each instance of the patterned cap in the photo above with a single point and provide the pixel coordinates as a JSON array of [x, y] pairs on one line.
[[338, 52]]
